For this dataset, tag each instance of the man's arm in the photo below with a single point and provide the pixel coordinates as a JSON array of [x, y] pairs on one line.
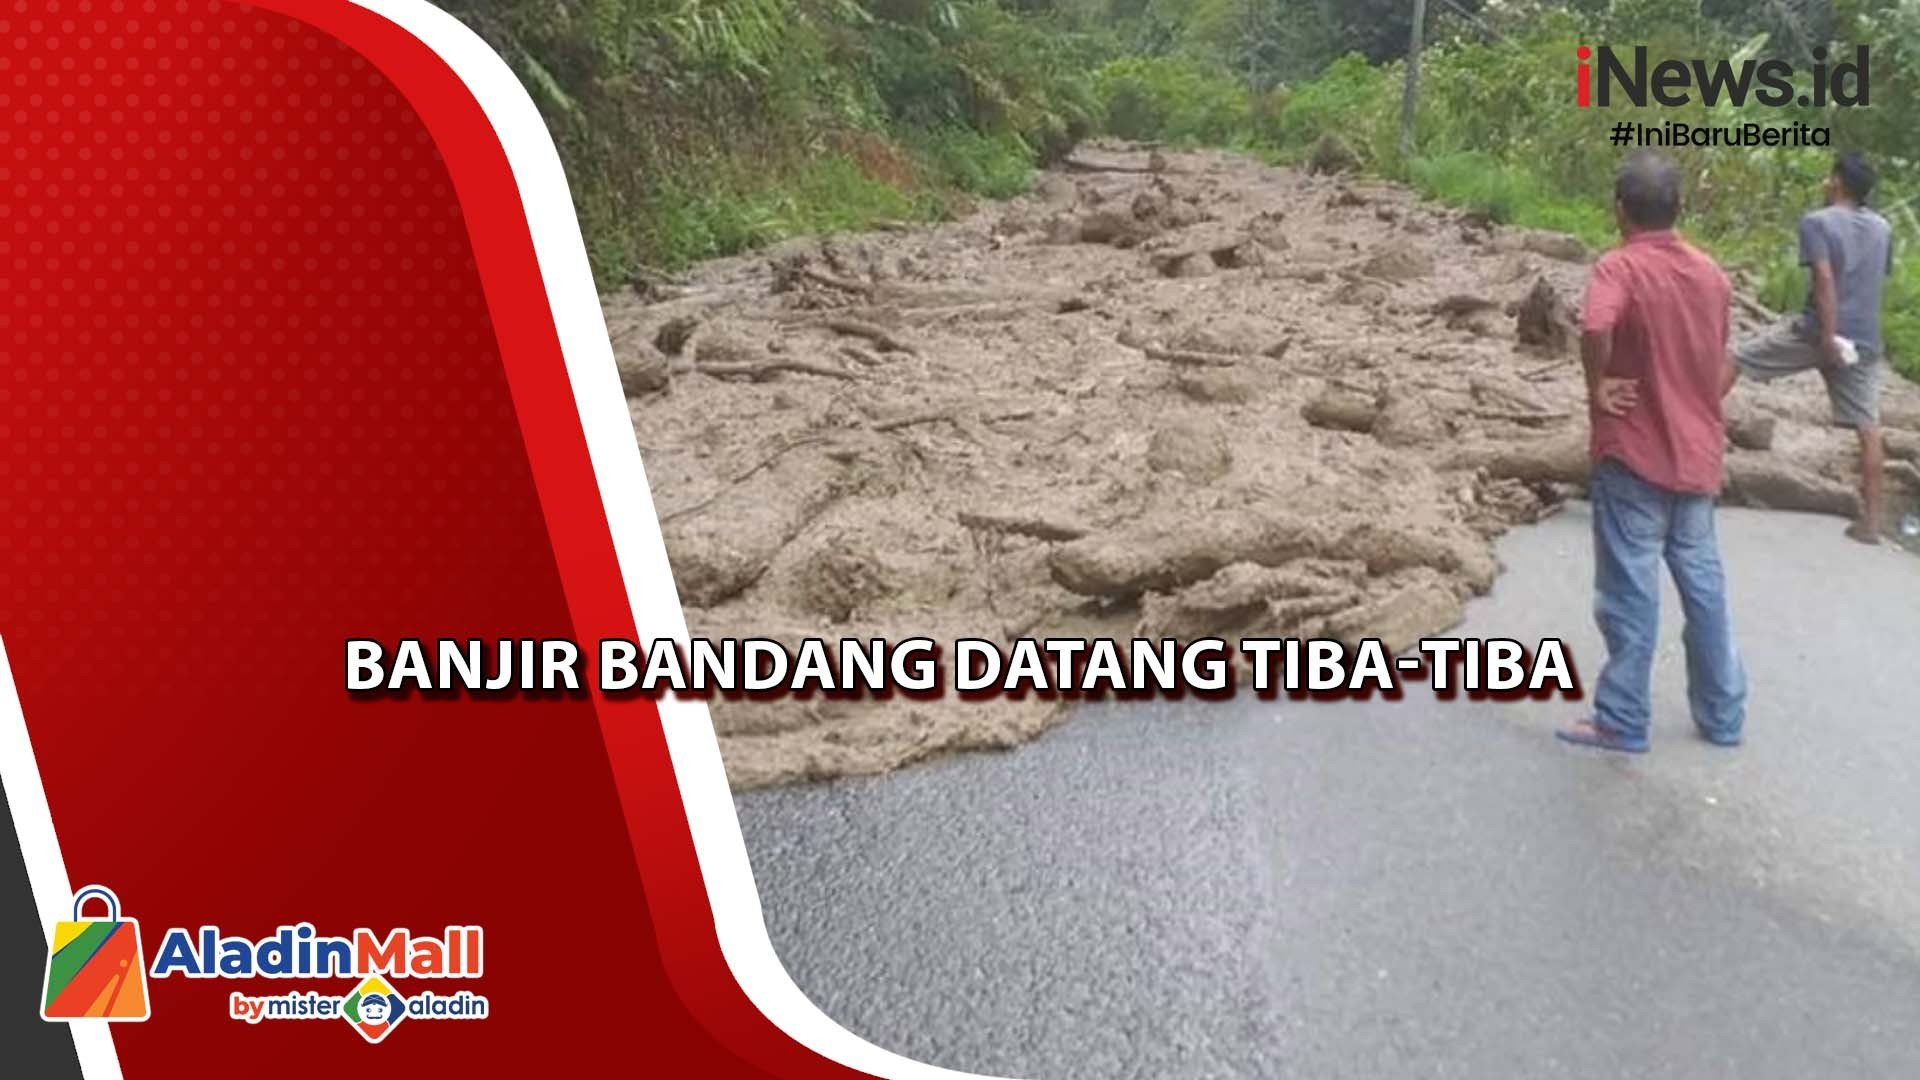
[[1604, 393], [1606, 301], [1826, 308], [1816, 256], [1729, 367]]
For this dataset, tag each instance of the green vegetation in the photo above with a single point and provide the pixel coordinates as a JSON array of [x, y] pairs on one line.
[[694, 128]]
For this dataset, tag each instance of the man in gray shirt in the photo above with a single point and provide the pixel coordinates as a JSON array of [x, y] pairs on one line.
[[1849, 250]]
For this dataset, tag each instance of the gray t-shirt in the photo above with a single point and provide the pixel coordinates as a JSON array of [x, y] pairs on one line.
[[1859, 245]]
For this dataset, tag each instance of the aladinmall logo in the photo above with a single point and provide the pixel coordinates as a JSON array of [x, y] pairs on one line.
[[373, 1008], [1600, 74]]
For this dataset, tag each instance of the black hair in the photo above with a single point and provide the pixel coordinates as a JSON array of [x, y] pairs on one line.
[[1856, 176], [1648, 189]]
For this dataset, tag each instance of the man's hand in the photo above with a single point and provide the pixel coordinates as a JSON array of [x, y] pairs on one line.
[[1830, 353], [1617, 397]]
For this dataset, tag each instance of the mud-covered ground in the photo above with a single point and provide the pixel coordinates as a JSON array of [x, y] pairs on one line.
[[1162, 395]]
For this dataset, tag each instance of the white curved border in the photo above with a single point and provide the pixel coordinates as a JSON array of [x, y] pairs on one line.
[[642, 554], [46, 866]]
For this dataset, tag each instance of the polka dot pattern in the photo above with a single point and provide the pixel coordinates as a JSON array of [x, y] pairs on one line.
[[251, 404]]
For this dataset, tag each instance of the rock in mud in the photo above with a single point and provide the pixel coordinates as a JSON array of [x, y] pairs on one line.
[[1463, 304], [1750, 431], [1197, 450], [1118, 228], [1340, 409], [643, 370], [1543, 320], [1419, 604], [1361, 293], [1243, 253], [1213, 248], [1215, 387], [1063, 229], [1232, 335], [674, 333], [1331, 154], [1555, 245], [836, 581], [1399, 263], [720, 550], [1240, 596], [1409, 420], [724, 345], [1181, 264], [1056, 192], [1149, 205], [1515, 267], [1265, 230], [1496, 504]]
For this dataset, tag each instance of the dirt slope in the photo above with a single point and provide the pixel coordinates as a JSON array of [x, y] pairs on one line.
[[1176, 394]]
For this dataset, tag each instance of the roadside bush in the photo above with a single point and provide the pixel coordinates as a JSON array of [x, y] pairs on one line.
[[1173, 99]]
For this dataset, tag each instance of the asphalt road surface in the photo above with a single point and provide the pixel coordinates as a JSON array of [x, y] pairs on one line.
[[1409, 889]]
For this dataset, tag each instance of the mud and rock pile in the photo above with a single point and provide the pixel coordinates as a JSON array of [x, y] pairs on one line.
[[1163, 394]]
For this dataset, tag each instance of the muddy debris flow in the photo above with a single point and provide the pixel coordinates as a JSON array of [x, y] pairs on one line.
[[1162, 394]]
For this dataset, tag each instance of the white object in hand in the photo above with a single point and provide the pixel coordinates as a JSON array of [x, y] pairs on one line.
[[1849, 352]]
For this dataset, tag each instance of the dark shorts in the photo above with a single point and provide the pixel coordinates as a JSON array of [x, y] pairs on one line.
[[1854, 391]]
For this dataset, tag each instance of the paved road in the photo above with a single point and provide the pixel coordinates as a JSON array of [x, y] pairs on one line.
[[1415, 889]]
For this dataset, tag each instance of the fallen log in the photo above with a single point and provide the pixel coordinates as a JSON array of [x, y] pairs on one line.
[[834, 281], [855, 352], [1242, 596], [1766, 481], [1072, 164], [1521, 417], [954, 415], [1191, 357], [762, 370], [1124, 563], [1560, 459], [1036, 528], [879, 335]]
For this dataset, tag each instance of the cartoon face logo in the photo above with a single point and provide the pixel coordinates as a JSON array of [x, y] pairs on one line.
[[373, 1009]]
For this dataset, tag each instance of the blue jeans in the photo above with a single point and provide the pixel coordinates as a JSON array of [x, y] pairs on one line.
[[1634, 524]]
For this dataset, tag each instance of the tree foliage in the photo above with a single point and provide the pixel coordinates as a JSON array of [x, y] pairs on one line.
[[696, 127]]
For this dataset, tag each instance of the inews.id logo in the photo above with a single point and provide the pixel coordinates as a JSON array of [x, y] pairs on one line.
[[1604, 73]]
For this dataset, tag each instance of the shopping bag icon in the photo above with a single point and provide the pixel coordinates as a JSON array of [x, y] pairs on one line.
[[95, 969]]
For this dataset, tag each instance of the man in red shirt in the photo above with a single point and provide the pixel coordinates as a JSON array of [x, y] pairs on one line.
[[1654, 344]]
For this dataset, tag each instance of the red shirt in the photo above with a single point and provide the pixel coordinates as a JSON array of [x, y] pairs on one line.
[[1666, 304]]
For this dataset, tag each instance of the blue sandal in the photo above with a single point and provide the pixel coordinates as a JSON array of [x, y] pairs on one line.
[[1590, 733]]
